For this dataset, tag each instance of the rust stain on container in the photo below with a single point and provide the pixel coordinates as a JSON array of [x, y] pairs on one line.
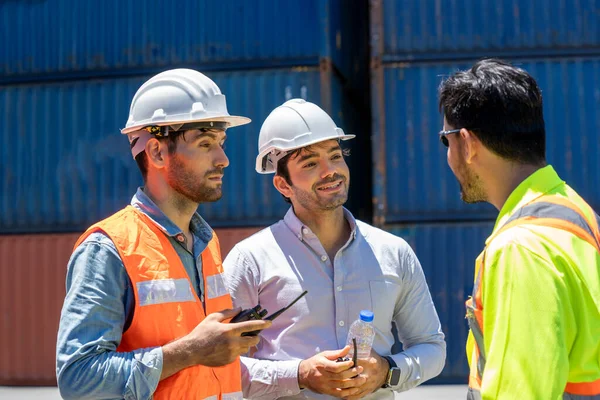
[[378, 113], [32, 290]]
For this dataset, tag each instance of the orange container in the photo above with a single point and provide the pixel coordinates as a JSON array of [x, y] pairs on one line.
[[32, 290]]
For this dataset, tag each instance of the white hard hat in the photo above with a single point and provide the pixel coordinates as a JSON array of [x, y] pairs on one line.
[[296, 123], [174, 98]]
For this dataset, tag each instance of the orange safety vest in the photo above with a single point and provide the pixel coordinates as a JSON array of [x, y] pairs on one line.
[[551, 211], [166, 306]]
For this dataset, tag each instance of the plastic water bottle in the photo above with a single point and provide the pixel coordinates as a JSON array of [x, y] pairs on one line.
[[362, 329]]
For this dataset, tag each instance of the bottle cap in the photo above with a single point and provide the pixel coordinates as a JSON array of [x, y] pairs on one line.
[[366, 315]]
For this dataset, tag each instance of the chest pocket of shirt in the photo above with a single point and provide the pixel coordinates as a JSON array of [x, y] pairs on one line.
[[384, 295]]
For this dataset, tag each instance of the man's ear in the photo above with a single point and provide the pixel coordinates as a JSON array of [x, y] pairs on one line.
[[282, 186], [471, 145], [156, 152]]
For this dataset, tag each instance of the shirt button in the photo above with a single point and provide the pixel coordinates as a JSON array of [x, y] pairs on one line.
[[305, 231], [180, 238], [341, 323], [323, 257], [339, 288]]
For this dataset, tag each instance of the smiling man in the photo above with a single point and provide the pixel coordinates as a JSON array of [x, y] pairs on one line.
[[146, 307], [346, 265]]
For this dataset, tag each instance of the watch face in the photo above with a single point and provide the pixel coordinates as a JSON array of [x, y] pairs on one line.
[[394, 376]]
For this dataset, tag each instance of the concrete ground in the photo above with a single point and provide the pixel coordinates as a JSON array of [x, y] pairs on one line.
[[434, 392], [427, 392], [28, 393]]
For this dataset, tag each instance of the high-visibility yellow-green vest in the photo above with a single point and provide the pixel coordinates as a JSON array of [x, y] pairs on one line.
[[535, 310]]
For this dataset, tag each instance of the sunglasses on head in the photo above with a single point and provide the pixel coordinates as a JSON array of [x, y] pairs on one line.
[[444, 134]]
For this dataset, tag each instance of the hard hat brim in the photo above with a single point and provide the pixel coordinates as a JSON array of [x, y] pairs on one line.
[[269, 169], [231, 120]]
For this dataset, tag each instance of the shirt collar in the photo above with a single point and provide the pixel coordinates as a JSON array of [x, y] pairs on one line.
[[301, 231], [534, 186], [198, 226]]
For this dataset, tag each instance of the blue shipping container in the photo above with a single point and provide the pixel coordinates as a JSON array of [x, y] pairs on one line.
[[65, 164], [67, 38], [447, 254], [405, 30], [412, 180]]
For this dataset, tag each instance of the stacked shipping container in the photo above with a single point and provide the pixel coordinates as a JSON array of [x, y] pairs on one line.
[[414, 45], [68, 71]]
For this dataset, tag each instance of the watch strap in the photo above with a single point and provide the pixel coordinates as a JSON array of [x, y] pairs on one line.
[[391, 361], [393, 364]]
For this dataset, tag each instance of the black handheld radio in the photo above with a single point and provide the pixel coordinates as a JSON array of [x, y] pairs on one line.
[[258, 312]]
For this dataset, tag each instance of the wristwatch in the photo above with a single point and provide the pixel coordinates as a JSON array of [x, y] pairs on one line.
[[393, 376]]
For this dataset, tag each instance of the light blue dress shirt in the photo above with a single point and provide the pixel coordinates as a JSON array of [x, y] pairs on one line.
[[99, 307], [374, 270]]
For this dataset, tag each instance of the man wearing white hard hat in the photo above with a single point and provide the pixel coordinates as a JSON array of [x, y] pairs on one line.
[[345, 265], [146, 311]]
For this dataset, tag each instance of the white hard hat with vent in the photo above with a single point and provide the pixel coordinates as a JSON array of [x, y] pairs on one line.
[[296, 123], [175, 98]]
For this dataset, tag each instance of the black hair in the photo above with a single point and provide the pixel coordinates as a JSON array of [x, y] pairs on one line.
[[142, 159], [502, 105]]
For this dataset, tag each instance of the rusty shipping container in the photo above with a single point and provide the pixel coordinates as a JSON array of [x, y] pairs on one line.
[[447, 253], [70, 166], [71, 39], [32, 289], [411, 30], [411, 178]]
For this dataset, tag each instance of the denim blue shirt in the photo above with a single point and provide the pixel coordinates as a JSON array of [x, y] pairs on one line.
[[99, 307]]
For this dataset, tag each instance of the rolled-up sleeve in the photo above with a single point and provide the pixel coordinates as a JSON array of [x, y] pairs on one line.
[[98, 300], [419, 328]]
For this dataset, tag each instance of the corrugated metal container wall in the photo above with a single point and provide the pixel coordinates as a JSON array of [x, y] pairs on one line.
[[33, 270], [52, 38], [413, 180], [447, 254], [68, 166], [435, 29]]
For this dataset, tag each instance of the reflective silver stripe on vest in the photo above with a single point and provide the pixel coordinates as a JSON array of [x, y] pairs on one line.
[[473, 394], [478, 336], [233, 396], [215, 397], [474, 325], [159, 291], [550, 210]]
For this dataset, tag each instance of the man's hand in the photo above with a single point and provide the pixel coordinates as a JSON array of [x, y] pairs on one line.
[[213, 343], [322, 374], [375, 370]]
